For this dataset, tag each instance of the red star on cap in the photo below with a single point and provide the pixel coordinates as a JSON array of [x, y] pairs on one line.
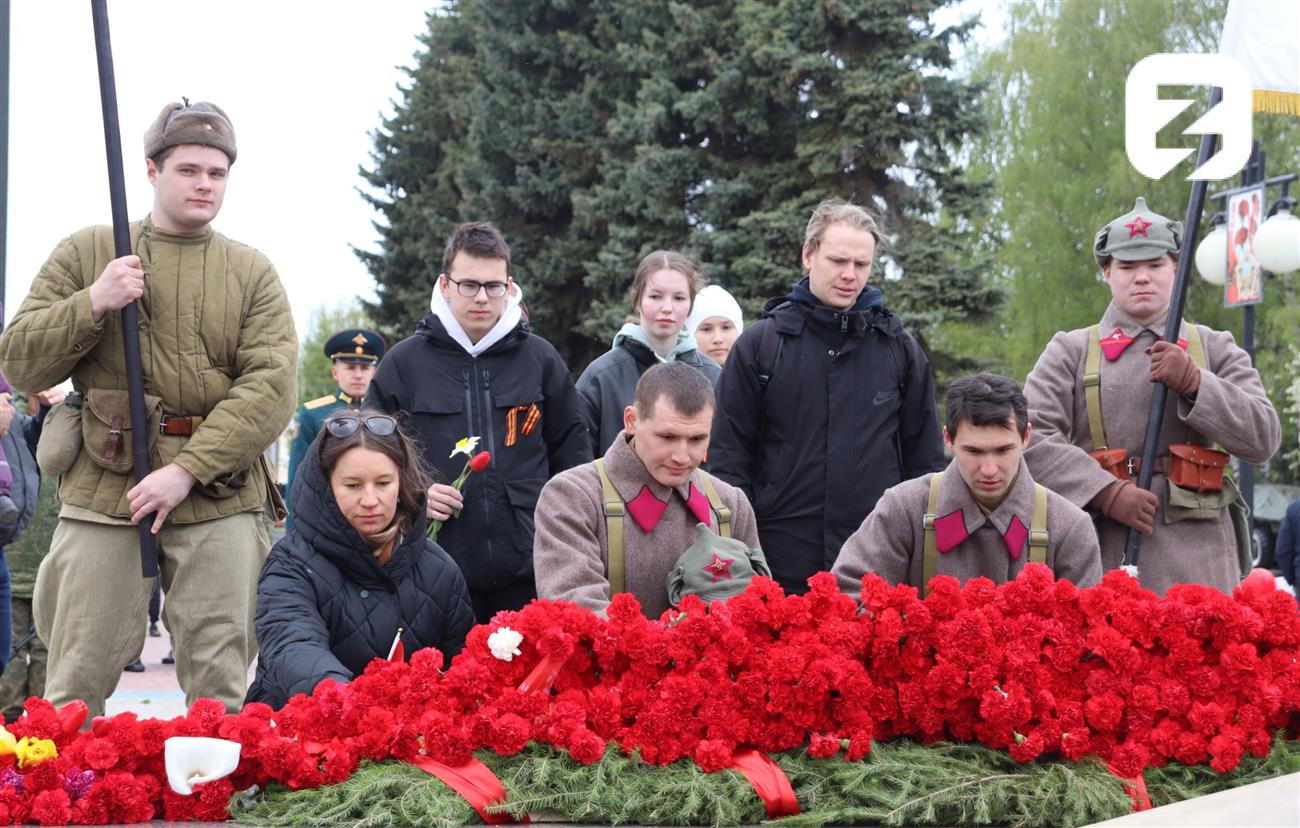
[[1138, 225], [720, 569]]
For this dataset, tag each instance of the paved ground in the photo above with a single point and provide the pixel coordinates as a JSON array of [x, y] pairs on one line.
[[153, 693]]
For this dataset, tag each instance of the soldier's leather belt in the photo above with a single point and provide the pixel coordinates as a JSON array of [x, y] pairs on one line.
[[179, 426], [1123, 467]]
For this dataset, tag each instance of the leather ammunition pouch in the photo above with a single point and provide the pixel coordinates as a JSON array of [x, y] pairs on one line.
[[1197, 468], [107, 430], [1115, 461]]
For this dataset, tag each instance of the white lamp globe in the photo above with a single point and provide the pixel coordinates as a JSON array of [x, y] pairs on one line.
[[1212, 256], [1277, 243]]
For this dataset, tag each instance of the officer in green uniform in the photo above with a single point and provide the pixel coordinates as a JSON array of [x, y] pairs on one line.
[[356, 352]]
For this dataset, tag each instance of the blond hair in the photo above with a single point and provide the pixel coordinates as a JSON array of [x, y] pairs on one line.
[[833, 211]]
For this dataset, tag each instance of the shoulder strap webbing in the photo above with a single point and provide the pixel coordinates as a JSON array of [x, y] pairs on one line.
[[1092, 388], [930, 552], [715, 500], [1038, 527], [1092, 377], [613, 530], [1195, 347]]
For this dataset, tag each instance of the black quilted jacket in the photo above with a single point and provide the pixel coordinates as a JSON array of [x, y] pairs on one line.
[[326, 608]]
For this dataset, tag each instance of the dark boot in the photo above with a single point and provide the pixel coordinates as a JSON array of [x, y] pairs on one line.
[[170, 658], [136, 666]]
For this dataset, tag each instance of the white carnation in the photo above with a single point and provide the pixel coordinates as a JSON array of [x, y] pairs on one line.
[[504, 643]]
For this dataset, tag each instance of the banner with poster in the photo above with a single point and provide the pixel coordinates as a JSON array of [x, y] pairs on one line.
[[1245, 282]]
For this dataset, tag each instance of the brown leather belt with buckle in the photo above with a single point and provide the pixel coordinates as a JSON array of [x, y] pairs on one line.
[[179, 426], [1135, 465]]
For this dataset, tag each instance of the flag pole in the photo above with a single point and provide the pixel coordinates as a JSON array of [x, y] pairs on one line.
[[1174, 322], [122, 247]]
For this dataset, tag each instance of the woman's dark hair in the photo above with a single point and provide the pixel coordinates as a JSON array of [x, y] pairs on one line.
[[412, 481]]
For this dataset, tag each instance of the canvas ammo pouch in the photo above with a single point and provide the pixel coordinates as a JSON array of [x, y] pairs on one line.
[[1194, 467], [1189, 504], [1114, 461], [60, 442], [107, 430]]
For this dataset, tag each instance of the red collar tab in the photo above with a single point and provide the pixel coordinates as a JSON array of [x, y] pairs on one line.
[[1116, 343], [1015, 537], [699, 506], [950, 531], [646, 509]]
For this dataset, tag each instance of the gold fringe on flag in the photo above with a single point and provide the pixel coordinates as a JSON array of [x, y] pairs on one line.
[[1268, 100]]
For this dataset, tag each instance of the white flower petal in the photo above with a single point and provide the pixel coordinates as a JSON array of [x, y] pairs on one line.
[[191, 760], [504, 643]]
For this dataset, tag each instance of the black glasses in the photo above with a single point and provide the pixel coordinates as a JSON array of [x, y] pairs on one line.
[[380, 425], [494, 290]]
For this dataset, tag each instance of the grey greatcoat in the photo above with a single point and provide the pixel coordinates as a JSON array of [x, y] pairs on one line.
[[1230, 408], [571, 545], [971, 544]]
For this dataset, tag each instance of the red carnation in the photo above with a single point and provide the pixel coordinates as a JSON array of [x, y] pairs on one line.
[[52, 807], [821, 746]]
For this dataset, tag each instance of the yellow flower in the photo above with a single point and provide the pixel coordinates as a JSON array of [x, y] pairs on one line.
[[465, 446], [34, 751], [7, 743]]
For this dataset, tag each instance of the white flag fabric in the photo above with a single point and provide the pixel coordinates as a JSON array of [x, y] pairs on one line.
[[1265, 36]]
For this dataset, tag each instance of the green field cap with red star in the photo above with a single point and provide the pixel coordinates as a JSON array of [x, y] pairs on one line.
[[1137, 235], [714, 568]]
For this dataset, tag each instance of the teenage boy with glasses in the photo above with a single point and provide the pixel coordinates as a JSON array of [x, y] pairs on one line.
[[474, 369]]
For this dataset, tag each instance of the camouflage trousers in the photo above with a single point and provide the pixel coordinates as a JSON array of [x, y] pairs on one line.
[[25, 676]]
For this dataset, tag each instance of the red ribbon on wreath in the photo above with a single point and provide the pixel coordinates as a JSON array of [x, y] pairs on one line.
[[1136, 787], [475, 782], [544, 674], [769, 781]]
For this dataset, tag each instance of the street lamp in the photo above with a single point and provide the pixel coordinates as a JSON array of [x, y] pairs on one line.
[[1277, 247], [1278, 241]]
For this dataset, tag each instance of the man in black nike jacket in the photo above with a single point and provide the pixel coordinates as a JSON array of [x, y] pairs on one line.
[[824, 403]]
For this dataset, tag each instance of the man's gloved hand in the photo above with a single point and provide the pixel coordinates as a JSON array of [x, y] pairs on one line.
[[1125, 503], [1172, 366]]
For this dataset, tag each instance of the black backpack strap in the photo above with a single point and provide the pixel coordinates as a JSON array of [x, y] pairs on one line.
[[769, 354], [770, 344]]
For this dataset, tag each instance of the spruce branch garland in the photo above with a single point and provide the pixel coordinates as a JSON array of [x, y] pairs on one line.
[[899, 783]]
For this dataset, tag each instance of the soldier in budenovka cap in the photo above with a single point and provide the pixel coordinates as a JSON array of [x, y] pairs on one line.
[[1090, 394], [218, 351], [983, 516], [355, 353]]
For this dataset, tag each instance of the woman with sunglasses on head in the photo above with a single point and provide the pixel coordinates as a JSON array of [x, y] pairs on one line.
[[357, 567]]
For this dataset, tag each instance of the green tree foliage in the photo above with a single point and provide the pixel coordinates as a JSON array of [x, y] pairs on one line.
[[314, 378], [1056, 151], [594, 131]]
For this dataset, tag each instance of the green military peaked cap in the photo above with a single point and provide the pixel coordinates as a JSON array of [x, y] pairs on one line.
[[356, 345], [1137, 235], [714, 568]]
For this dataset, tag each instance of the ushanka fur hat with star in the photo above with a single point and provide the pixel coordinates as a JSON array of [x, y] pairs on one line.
[[1138, 235], [714, 568], [190, 123]]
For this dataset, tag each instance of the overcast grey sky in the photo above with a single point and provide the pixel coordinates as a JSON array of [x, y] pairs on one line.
[[304, 84]]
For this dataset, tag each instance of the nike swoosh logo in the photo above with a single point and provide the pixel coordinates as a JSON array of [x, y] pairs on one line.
[[883, 397]]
